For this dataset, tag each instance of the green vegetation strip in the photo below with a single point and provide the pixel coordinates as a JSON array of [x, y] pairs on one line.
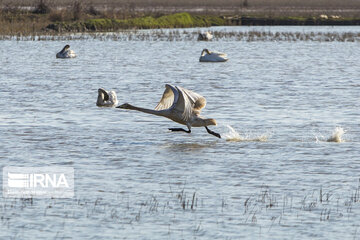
[[178, 20]]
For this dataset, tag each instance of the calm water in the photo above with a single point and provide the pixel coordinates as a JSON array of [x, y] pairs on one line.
[[136, 180]]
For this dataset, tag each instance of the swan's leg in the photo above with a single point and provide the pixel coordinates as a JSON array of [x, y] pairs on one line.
[[212, 133], [179, 130]]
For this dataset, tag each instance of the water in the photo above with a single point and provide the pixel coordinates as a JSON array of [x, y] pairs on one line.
[[274, 175]]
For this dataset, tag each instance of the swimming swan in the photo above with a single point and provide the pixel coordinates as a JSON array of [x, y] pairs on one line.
[[205, 36], [182, 106], [106, 99], [66, 52], [209, 56]]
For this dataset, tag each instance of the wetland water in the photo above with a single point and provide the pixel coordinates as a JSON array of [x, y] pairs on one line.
[[278, 179]]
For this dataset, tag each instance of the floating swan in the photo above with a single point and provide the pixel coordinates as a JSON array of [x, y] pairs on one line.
[[205, 36], [209, 56], [106, 99], [182, 106], [66, 52]]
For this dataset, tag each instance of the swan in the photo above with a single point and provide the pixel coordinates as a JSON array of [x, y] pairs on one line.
[[209, 56], [205, 36], [106, 99], [66, 52], [182, 106]]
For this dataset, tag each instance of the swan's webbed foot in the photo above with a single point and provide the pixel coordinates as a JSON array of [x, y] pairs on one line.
[[179, 130], [212, 133]]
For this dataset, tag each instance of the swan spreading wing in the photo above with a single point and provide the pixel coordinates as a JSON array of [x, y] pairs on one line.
[[106, 95], [182, 100]]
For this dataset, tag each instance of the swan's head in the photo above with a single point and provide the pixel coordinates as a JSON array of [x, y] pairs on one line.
[[66, 47], [206, 50], [101, 90], [125, 106], [210, 121]]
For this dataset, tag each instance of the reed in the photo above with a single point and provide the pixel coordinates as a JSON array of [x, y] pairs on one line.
[[186, 35]]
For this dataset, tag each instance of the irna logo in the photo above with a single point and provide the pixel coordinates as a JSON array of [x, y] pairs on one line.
[[24, 182]]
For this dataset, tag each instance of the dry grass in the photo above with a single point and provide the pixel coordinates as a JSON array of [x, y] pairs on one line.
[[24, 17]]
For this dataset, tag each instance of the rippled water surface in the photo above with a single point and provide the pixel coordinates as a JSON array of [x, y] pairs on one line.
[[279, 103]]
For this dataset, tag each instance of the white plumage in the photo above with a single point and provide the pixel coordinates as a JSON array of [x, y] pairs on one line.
[[212, 56], [180, 105]]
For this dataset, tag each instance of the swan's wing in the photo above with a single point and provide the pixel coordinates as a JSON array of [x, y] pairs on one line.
[[113, 97], [106, 95], [220, 54], [169, 98], [189, 101]]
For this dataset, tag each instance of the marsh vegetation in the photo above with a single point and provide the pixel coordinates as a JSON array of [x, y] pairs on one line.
[[265, 209], [248, 35], [34, 16]]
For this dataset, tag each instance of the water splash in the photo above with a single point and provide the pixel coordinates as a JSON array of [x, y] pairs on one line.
[[337, 135], [233, 136]]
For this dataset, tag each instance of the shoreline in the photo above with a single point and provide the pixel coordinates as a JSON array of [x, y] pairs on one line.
[[25, 23]]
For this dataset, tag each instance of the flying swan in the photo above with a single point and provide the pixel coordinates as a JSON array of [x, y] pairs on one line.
[[66, 52], [209, 56], [106, 98], [182, 106]]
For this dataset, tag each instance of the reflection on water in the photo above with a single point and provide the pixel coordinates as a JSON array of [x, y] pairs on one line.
[[189, 147], [137, 179]]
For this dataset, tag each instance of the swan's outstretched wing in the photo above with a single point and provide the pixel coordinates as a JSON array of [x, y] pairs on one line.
[[181, 100], [170, 96], [106, 95], [188, 102]]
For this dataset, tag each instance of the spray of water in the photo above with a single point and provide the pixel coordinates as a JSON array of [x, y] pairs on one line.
[[337, 135], [233, 136]]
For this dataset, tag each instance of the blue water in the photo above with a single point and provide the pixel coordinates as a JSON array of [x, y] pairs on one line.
[[278, 179]]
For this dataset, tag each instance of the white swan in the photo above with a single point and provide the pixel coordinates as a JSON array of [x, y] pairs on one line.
[[106, 99], [182, 106], [66, 52], [209, 56], [205, 36]]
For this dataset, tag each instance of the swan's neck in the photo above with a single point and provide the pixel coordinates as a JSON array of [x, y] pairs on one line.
[[146, 110]]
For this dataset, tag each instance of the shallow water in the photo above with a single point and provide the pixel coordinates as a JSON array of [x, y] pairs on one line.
[[277, 178]]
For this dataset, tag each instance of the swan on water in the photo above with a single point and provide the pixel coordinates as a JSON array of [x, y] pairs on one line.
[[207, 36], [106, 98], [210, 56], [182, 106], [66, 52]]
